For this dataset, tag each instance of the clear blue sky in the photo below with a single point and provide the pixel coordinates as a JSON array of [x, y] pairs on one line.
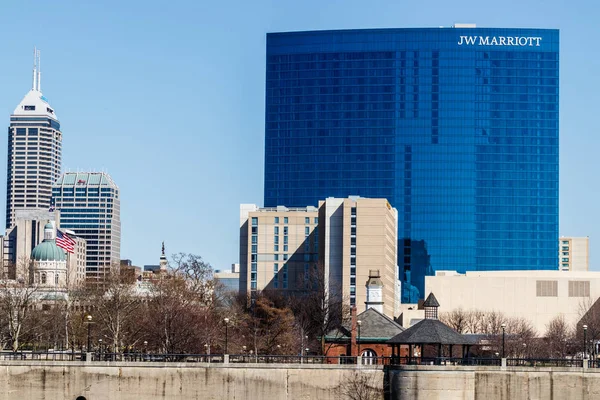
[[168, 97]]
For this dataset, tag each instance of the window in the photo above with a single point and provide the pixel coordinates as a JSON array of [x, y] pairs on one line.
[[285, 257], [276, 247], [579, 288], [546, 288], [43, 280], [276, 239], [307, 220], [29, 108], [276, 257], [276, 230], [254, 221], [285, 230], [316, 220], [254, 248], [353, 211], [285, 220], [369, 357], [56, 279], [285, 239], [276, 220], [285, 247], [306, 230], [254, 239]]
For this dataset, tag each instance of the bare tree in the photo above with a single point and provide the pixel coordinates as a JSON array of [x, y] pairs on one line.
[[362, 385], [268, 325], [115, 306], [17, 301], [455, 319], [320, 308], [197, 274], [559, 337], [474, 321]]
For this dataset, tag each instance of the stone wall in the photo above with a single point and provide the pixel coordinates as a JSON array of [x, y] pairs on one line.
[[147, 381], [492, 383]]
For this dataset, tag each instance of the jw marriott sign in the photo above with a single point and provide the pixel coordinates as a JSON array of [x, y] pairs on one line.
[[499, 41]]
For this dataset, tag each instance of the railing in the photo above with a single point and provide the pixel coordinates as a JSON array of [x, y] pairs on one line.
[[445, 361], [148, 357], [291, 359], [544, 362]]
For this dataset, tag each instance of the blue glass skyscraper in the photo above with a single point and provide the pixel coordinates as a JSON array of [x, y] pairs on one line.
[[456, 127]]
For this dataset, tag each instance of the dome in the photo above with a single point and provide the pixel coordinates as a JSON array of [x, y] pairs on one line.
[[48, 226], [48, 251]]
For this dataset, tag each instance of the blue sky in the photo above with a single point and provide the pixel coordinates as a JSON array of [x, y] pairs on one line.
[[168, 97]]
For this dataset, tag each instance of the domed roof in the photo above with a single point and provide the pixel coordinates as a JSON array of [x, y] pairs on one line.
[[48, 226], [48, 251]]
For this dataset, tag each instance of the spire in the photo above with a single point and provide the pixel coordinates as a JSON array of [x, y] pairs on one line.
[[34, 85], [39, 72]]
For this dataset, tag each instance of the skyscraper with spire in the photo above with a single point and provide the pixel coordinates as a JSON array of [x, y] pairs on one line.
[[34, 150]]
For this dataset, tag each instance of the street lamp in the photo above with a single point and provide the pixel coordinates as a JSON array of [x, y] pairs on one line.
[[89, 325], [359, 323], [503, 339], [584, 341], [226, 320], [100, 345]]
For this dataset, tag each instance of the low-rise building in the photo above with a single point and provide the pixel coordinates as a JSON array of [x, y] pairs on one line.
[[537, 296]]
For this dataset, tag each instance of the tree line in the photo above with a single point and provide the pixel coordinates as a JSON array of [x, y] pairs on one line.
[[522, 340], [182, 311]]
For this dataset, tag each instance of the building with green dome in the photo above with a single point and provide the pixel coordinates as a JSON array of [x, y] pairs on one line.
[[49, 262]]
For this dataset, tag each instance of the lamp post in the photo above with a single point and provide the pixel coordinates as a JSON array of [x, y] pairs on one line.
[[503, 339], [358, 323], [584, 341], [226, 320], [100, 345], [89, 325]]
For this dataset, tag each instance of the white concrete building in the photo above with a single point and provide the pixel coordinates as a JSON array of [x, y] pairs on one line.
[[574, 253], [537, 296]]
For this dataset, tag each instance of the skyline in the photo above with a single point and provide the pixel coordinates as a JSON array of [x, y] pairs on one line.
[[202, 60]]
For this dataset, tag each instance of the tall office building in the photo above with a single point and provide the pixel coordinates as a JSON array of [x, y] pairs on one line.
[[34, 151], [456, 127], [574, 253], [89, 204]]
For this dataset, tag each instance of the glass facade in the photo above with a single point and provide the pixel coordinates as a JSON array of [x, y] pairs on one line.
[[90, 205], [456, 127]]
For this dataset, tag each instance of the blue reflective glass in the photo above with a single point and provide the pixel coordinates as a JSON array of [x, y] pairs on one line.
[[456, 127]]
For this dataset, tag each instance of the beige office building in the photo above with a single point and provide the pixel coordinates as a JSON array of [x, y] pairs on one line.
[[574, 253], [278, 248], [359, 235], [538, 296]]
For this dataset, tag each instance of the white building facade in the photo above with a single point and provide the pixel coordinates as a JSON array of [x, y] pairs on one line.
[[538, 296]]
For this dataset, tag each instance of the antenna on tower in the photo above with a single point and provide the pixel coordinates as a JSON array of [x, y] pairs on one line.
[[39, 73], [34, 86]]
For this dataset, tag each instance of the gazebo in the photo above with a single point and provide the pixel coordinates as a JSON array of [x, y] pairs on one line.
[[431, 332]]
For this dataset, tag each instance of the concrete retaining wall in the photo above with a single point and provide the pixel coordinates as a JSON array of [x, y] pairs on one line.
[[148, 381], [492, 383]]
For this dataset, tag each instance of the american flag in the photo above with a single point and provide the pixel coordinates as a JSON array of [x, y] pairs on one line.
[[65, 242]]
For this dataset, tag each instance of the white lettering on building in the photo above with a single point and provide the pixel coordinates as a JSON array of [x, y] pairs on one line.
[[531, 41]]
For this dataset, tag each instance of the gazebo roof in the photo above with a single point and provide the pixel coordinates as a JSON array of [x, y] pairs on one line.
[[431, 301], [375, 327], [430, 331]]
